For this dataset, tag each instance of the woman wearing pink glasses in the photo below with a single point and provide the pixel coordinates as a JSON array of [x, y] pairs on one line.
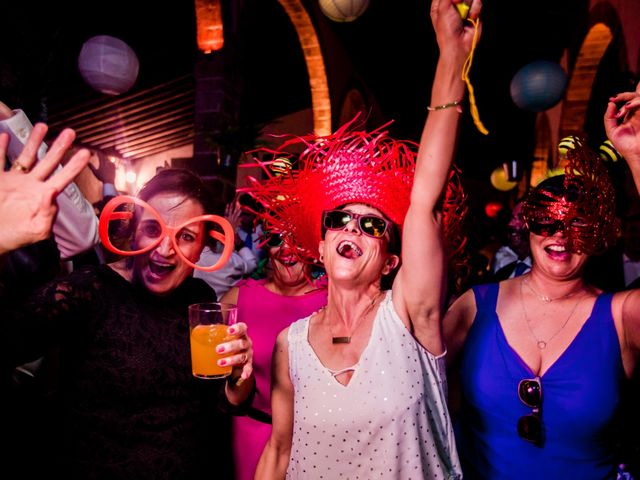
[[358, 388], [128, 405]]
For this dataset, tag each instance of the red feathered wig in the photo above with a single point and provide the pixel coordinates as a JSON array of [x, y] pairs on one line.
[[349, 166]]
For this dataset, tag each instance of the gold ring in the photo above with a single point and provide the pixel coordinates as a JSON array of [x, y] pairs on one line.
[[19, 167]]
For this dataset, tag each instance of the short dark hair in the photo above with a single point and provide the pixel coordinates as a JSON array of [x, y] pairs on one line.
[[181, 181]]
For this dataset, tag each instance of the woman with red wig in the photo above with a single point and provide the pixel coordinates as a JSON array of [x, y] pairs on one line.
[[358, 388]]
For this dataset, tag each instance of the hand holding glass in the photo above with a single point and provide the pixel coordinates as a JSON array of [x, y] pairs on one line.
[[208, 324]]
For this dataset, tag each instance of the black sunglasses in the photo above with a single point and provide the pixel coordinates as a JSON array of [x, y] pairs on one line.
[[530, 425], [275, 240], [370, 225], [545, 229]]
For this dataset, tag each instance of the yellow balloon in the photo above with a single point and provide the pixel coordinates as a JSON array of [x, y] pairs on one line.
[[499, 180], [554, 172]]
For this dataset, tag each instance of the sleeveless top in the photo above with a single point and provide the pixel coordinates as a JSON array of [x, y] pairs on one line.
[[581, 392], [390, 421], [266, 313]]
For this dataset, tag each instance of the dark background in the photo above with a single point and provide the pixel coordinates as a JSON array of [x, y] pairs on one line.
[[391, 45]]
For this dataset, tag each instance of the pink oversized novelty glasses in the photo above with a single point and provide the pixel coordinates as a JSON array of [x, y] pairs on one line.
[[116, 224]]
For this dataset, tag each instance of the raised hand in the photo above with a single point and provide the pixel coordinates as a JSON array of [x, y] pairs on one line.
[[28, 192], [622, 125]]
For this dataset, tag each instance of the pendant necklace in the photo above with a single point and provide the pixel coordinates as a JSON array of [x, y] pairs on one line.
[[343, 339], [544, 298], [542, 344]]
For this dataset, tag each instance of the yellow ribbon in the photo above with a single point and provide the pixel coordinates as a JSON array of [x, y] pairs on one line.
[[465, 76]]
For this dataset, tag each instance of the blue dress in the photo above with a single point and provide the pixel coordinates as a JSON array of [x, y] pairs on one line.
[[581, 393]]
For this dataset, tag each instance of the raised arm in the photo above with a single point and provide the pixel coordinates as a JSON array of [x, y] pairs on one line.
[[28, 193], [75, 228], [622, 125], [419, 287]]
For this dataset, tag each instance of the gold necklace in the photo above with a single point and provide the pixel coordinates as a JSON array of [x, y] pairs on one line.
[[544, 298], [347, 339], [542, 344]]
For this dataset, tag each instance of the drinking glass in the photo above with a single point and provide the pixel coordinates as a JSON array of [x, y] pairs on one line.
[[208, 324]]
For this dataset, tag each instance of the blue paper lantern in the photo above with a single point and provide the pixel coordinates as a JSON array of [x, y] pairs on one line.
[[538, 85]]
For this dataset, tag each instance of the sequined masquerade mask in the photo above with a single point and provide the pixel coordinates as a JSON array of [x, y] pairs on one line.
[[580, 203]]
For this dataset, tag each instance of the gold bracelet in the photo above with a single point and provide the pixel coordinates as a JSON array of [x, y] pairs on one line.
[[444, 106]]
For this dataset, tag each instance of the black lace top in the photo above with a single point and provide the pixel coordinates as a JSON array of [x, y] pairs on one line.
[[129, 406]]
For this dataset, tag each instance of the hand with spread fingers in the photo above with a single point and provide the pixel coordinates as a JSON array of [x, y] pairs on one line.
[[27, 195], [232, 213], [75, 227]]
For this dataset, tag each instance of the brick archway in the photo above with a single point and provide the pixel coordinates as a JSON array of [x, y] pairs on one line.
[[320, 101]]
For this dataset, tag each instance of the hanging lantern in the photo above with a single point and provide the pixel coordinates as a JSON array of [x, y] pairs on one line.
[[343, 10], [108, 64], [209, 25], [538, 86]]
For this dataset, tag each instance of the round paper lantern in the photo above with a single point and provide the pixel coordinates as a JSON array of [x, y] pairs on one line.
[[108, 64], [499, 180], [343, 10], [538, 86]]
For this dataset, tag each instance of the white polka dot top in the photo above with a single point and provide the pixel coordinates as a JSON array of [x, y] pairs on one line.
[[391, 421]]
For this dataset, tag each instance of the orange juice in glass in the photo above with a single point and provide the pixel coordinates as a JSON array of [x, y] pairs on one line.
[[208, 324]]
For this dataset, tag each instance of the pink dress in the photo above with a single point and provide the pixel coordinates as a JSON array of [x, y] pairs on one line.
[[267, 314]]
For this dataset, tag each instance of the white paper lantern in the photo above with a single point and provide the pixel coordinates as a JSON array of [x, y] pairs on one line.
[[108, 64], [343, 10]]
